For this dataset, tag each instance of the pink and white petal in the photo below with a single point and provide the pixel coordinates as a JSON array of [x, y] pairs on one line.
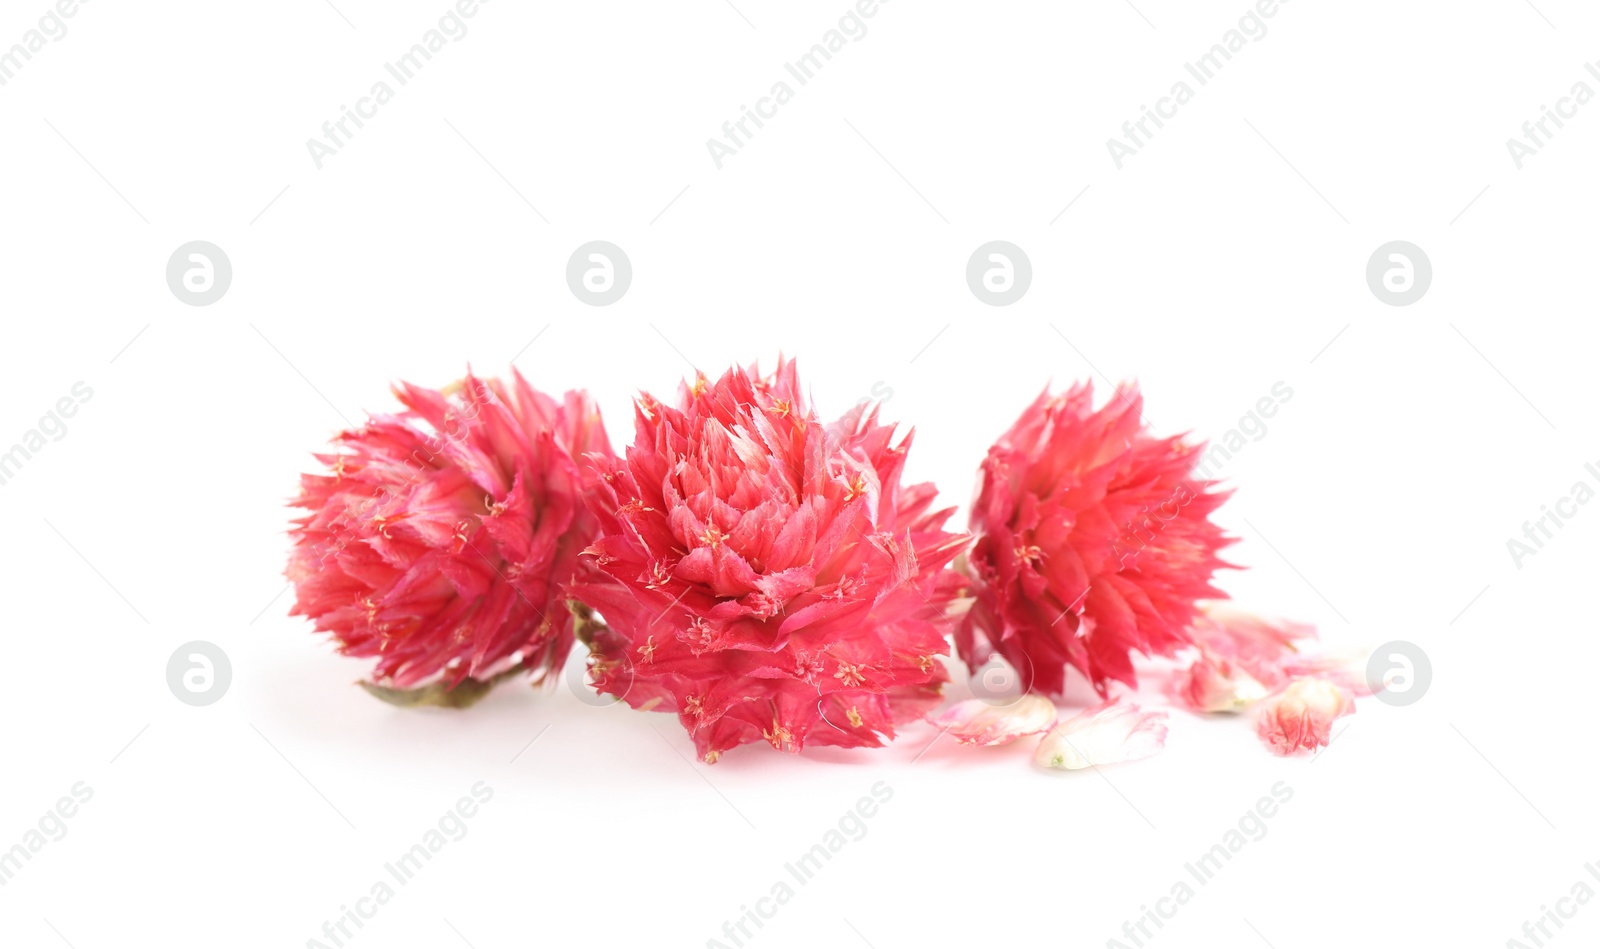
[[1213, 684], [1300, 717], [1260, 646], [1110, 732], [977, 722], [1346, 668]]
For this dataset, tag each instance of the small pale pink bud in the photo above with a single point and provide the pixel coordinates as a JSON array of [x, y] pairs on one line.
[[1301, 716], [1217, 685]]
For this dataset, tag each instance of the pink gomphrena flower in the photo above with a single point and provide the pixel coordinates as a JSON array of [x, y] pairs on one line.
[[1094, 542], [766, 576], [1300, 717], [1110, 732], [440, 538]]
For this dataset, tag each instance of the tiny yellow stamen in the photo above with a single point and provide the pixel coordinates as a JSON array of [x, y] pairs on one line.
[[858, 487], [849, 674], [779, 736]]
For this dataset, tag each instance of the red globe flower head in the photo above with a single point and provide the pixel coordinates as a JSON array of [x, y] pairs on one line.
[[766, 576], [440, 539], [1093, 542]]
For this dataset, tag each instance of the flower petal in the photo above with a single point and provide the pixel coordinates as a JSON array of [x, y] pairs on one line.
[[1345, 667], [1213, 684], [1259, 646], [1105, 734], [1300, 717], [976, 722]]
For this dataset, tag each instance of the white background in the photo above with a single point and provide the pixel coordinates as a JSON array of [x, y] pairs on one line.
[[1418, 440]]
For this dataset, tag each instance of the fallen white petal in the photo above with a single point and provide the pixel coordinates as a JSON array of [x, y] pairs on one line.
[[1107, 733], [977, 722]]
